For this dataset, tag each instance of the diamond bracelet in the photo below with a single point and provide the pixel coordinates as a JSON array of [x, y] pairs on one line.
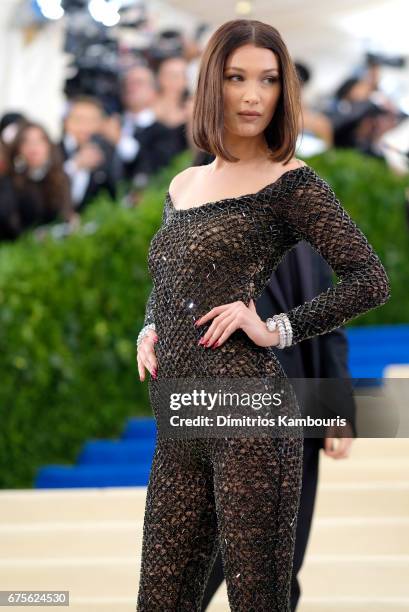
[[282, 323], [143, 333]]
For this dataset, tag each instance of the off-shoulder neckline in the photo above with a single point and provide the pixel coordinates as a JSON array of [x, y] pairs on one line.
[[235, 198]]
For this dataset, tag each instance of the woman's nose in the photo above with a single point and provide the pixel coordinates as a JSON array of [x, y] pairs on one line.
[[251, 94]]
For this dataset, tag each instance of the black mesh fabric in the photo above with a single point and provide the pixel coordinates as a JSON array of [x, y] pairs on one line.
[[241, 493]]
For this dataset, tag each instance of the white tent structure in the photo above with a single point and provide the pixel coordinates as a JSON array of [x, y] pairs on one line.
[[32, 66]]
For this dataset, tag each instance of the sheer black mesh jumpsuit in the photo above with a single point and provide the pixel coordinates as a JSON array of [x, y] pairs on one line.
[[240, 493]]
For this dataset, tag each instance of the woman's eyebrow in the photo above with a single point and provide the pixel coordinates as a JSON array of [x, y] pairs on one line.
[[242, 70]]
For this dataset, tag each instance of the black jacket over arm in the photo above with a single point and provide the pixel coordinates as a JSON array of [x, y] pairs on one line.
[[324, 356]]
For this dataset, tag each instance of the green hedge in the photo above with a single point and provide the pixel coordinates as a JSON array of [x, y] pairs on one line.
[[70, 310]]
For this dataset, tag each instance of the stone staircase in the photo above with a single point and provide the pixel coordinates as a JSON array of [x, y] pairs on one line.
[[88, 541]]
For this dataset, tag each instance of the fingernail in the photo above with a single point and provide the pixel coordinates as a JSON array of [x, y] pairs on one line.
[[196, 323], [215, 344]]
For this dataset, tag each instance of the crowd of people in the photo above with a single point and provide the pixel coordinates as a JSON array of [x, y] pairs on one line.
[[42, 181]]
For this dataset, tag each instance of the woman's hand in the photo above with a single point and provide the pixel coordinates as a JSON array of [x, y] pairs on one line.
[[146, 357], [229, 317]]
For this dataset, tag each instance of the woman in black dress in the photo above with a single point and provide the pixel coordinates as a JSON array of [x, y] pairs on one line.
[[34, 190], [225, 228]]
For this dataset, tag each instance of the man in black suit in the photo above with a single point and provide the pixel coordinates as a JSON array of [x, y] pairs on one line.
[[89, 158], [300, 277], [143, 144]]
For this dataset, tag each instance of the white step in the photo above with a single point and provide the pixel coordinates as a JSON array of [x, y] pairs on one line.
[[85, 577], [375, 497], [362, 499], [364, 470], [70, 539], [353, 604], [379, 447], [82, 504], [328, 575], [356, 575], [59, 540], [317, 604], [366, 536], [314, 605]]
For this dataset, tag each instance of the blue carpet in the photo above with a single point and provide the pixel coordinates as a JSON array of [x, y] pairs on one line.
[[374, 347]]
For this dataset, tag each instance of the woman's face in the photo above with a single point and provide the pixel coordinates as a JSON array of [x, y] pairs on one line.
[[251, 82], [35, 148], [172, 75]]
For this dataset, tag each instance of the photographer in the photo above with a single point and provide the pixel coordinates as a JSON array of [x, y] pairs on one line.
[[361, 113]]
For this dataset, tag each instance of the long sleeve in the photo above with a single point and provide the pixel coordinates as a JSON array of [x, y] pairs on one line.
[[312, 212], [150, 303]]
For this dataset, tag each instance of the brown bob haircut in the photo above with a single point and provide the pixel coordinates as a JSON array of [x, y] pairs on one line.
[[208, 117]]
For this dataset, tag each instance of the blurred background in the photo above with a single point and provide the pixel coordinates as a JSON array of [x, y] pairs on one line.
[[95, 119]]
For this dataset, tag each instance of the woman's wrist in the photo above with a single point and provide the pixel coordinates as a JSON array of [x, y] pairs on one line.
[[280, 324], [273, 337], [144, 331]]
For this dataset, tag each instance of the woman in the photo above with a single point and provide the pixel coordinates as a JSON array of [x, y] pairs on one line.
[[34, 190], [226, 226]]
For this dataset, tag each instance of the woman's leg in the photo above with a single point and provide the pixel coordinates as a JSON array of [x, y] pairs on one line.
[[180, 529], [257, 489]]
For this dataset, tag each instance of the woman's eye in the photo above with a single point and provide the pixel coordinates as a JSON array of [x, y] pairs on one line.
[[238, 76]]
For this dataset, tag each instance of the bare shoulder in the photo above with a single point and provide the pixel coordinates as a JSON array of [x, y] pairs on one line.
[[295, 163], [180, 181]]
